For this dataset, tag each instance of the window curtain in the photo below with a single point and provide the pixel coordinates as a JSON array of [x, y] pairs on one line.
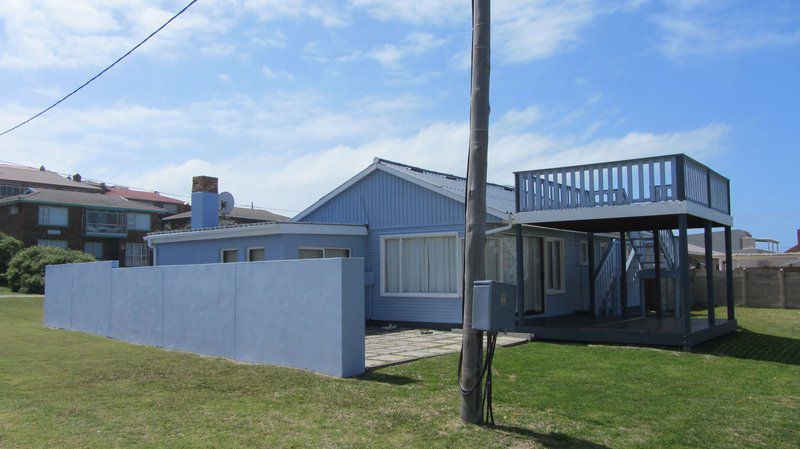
[[421, 265], [392, 266]]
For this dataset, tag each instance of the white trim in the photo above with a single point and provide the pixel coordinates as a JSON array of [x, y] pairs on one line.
[[385, 294], [257, 230], [222, 254], [378, 165], [548, 262], [247, 255]]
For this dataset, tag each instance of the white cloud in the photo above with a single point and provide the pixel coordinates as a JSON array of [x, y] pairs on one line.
[[702, 28], [415, 44], [273, 74]]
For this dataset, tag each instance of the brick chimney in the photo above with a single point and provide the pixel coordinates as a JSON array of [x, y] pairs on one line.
[[798, 237], [76, 177], [205, 202]]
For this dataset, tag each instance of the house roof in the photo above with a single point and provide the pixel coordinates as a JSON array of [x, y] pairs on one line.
[[30, 175], [244, 213], [142, 195], [697, 250], [500, 200], [84, 199], [253, 229]]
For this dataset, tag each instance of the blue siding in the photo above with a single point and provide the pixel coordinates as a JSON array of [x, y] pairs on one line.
[[276, 247]]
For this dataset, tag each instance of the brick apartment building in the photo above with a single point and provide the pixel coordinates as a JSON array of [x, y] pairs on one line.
[[41, 207]]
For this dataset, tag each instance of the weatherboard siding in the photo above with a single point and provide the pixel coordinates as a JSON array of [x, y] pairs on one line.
[[389, 205]]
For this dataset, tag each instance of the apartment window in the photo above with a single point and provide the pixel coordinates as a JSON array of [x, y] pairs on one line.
[[319, 253], [420, 265], [137, 255], [138, 222], [584, 252], [56, 243], [554, 266], [11, 190], [229, 256], [171, 208], [95, 249], [256, 254], [53, 216], [13, 210], [106, 222]]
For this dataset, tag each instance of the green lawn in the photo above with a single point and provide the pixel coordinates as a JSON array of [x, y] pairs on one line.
[[4, 290], [67, 389]]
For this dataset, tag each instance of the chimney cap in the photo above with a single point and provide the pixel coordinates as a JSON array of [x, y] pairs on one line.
[[205, 184]]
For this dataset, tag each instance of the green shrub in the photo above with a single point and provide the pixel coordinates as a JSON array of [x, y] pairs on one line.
[[26, 270], [9, 246]]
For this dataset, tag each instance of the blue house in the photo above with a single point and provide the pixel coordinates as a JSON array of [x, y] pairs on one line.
[[599, 260]]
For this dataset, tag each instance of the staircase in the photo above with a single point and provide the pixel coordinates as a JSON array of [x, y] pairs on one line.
[[642, 257]]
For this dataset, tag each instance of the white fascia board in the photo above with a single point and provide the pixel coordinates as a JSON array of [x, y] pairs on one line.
[[361, 175], [377, 165], [257, 230]]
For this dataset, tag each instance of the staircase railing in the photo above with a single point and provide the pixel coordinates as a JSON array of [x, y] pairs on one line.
[[667, 244], [632, 270], [606, 274]]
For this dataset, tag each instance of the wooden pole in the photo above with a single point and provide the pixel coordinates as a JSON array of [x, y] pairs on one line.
[[657, 260], [683, 275], [592, 293], [729, 274], [623, 278], [474, 256]]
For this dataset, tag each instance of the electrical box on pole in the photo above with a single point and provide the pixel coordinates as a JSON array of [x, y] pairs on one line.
[[494, 306]]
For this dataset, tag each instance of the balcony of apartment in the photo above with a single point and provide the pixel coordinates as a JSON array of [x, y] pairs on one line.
[[104, 223], [633, 194]]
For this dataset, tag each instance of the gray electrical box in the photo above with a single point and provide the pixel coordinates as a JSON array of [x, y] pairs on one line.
[[494, 306]]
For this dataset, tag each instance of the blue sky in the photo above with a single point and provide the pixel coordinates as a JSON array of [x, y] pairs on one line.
[[283, 101]]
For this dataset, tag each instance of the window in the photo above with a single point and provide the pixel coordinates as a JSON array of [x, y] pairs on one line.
[[554, 266], [56, 243], [584, 252], [52, 216], [603, 249], [420, 266], [229, 255], [171, 208], [95, 249], [106, 222], [255, 254], [11, 189], [319, 253], [13, 210], [137, 255], [138, 222]]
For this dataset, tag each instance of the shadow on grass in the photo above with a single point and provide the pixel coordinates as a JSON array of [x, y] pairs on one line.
[[745, 344], [385, 378], [550, 440]]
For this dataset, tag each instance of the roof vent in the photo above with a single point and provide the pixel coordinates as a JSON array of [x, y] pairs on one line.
[[41, 168]]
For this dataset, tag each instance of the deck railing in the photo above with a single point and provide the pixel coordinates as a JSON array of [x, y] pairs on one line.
[[646, 180]]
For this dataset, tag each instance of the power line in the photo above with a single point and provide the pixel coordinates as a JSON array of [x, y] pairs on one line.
[[102, 71]]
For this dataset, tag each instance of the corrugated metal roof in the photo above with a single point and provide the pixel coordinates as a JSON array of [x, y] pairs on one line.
[[497, 196], [243, 213], [72, 198], [32, 175], [142, 195]]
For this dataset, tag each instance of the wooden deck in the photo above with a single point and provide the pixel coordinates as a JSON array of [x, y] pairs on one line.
[[636, 330]]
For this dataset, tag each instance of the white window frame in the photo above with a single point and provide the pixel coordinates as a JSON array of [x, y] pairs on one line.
[[256, 247], [222, 254], [43, 208], [584, 252], [102, 249], [458, 257], [548, 263]]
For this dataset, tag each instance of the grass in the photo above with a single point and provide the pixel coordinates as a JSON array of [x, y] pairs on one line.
[[68, 389], [4, 290]]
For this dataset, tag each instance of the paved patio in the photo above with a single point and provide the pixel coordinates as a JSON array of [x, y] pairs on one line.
[[400, 345]]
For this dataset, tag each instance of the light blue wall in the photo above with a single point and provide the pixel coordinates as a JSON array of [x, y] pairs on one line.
[[277, 247], [300, 313]]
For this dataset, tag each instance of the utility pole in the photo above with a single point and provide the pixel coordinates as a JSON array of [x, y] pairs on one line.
[[474, 256]]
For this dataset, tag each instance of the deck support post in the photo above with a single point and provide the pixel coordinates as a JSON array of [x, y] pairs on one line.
[[590, 244], [683, 274], [520, 262], [729, 273], [709, 243], [623, 277], [657, 261]]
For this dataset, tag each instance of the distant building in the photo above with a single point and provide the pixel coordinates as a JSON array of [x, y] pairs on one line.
[[171, 205], [796, 248], [16, 179], [239, 215], [109, 227], [740, 240]]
